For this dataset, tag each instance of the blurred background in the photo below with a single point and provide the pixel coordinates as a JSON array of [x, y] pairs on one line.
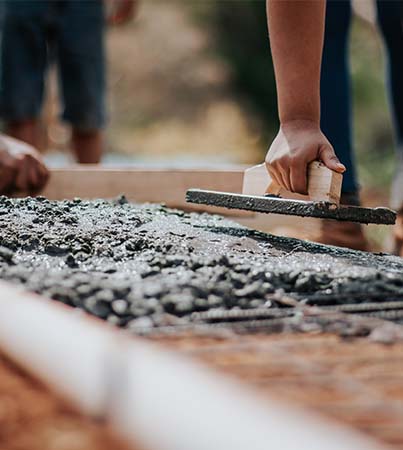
[[193, 81]]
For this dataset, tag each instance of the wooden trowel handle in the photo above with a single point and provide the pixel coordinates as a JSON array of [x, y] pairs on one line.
[[324, 185]]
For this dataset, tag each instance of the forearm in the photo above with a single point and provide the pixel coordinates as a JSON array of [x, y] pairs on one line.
[[296, 30]]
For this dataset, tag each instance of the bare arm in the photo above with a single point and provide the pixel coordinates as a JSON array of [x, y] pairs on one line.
[[296, 30], [296, 33]]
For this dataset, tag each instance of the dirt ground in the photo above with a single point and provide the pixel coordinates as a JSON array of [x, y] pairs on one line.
[[32, 418], [355, 382]]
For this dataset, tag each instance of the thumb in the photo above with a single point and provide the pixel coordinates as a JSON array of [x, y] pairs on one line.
[[330, 160]]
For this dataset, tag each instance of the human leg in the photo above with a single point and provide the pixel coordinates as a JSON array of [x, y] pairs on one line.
[[390, 16], [336, 120], [87, 145], [25, 130], [23, 64], [80, 53]]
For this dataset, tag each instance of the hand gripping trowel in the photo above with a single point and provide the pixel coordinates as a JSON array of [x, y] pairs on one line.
[[261, 194]]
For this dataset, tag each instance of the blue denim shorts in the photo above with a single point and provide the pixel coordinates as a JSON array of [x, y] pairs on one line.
[[69, 33]]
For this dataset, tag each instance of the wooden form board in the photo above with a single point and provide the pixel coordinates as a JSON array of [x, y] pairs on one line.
[[158, 185], [144, 185]]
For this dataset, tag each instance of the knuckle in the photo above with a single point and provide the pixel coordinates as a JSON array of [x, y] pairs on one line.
[[286, 161], [295, 151], [326, 149], [296, 161], [271, 166], [279, 163], [271, 171], [7, 166]]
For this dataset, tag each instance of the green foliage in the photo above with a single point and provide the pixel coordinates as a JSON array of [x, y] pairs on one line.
[[373, 137], [241, 38]]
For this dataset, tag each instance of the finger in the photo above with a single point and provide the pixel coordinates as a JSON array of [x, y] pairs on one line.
[[38, 176], [330, 160], [22, 179], [285, 176], [8, 170], [298, 178], [7, 175], [43, 175], [33, 176], [274, 175]]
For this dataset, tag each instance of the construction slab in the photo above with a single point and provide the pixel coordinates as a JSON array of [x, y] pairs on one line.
[[174, 271], [146, 266]]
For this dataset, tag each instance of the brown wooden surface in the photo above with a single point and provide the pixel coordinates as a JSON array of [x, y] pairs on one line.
[[34, 418], [144, 185]]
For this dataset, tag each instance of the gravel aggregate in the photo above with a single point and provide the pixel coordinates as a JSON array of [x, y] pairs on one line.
[[144, 266]]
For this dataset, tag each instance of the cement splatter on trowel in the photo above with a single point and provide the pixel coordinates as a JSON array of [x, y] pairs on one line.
[[261, 194]]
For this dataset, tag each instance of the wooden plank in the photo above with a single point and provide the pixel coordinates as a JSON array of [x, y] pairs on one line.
[[141, 184]]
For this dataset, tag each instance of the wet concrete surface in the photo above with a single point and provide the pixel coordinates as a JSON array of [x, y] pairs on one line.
[[144, 266]]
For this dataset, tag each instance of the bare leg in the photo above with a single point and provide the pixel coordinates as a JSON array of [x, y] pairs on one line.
[[87, 146], [25, 130]]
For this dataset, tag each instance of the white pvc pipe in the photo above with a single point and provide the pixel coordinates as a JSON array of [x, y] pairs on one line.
[[152, 396], [171, 403], [65, 350]]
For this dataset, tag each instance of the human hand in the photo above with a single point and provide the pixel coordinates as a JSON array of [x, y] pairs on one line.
[[21, 167], [121, 11], [298, 143]]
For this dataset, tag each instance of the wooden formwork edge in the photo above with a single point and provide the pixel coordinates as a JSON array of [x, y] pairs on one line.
[[142, 184], [150, 395]]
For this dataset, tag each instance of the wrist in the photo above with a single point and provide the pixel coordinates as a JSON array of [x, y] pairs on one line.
[[300, 124]]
